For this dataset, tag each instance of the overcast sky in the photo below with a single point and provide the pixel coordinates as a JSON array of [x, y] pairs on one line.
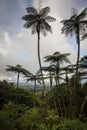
[[19, 46]]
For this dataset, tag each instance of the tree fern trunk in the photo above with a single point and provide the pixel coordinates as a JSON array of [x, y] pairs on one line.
[[17, 88], [39, 60], [78, 51], [18, 80], [34, 92]]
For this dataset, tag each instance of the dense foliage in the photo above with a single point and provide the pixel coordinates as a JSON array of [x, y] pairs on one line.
[[18, 112]]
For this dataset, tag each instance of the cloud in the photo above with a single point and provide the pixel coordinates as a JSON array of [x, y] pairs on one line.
[[21, 47]]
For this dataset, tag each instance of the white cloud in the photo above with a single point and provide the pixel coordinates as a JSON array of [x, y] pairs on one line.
[[21, 48]]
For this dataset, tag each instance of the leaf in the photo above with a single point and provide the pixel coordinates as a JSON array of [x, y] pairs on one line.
[[50, 19], [44, 11], [31, 10]]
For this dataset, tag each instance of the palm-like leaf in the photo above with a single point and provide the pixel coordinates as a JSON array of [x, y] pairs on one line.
[[44, 11], [70, 25], [49, 19], [18, 69], [82, 15], [13, 68], [84, 36], [57, 57], [35, 18], [31, 10]]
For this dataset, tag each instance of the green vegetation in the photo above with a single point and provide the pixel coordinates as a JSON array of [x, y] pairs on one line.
[[64, 105]]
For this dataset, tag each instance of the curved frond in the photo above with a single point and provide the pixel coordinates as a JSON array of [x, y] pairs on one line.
[[66, 54], [31, 10], [45, 26], [48, 58], [57, 58], [84, 23], [49, 19], [44, 11], [82, 15], [29, 24], [56, 53], [18, 69], [69, 27], [25, 72], [33, 28], [15, 69], [84, 36], [28, 17], [73, 17], [67, 21], [11, 68]]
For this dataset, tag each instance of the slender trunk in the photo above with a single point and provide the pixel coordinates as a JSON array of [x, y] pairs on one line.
[[77, 63], [34, 92], [67, 109], [39, 59], [18, 80], [57, 90], [50, 81], [57, 72], [78, 57], [67, 80], [35, 87], [17, 88], [56, 80], [69, 106], [78, 52], [76, 88]]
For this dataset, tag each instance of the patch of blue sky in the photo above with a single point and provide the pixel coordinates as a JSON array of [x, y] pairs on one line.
[[81, 3], [72, 40], [29, 2]]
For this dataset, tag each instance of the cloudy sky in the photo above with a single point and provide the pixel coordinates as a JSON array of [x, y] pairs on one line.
[[19, 46]]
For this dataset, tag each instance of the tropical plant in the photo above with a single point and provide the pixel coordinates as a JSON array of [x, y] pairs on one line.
[[50, 73], [38, 22], [36, 78], [17, 69], [68, 70], [57, 59], [74, 26], [71, 125]]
